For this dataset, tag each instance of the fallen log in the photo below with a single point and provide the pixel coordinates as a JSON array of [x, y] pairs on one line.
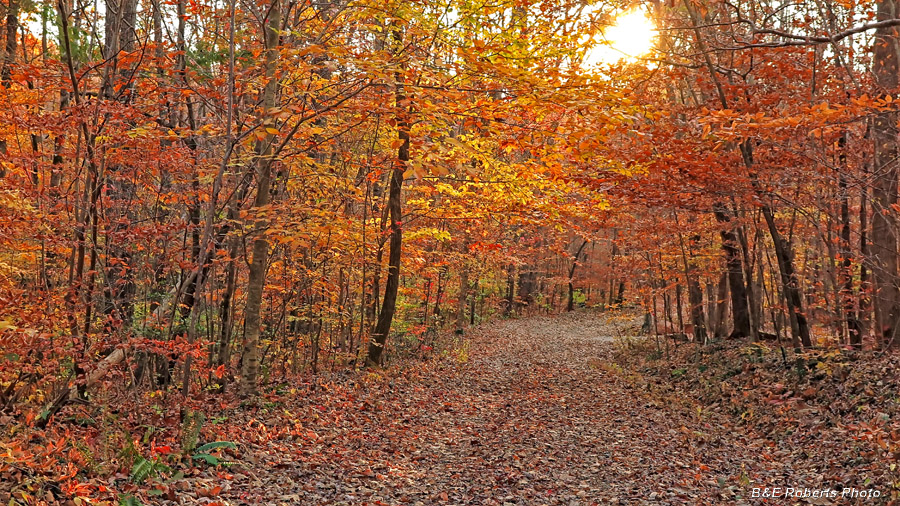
[[69, 393]]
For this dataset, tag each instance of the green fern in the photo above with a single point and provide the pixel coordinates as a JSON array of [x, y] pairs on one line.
[[203, 452], [208, 447], [141, 470], [144, 469]]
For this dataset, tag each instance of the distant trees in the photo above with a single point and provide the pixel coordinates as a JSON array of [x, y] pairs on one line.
[[770, 113]]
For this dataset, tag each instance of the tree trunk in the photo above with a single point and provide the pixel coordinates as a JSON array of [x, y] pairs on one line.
[[695, 291], [854, 329], [613, 253], [263, 162], [721, 305], [462, 299], [12, 28], [739, 307], [747, 265], [392, 283], [473, 302], [438, 296], [884, 191], [695, 298], [864, 311], [570, 306], [794, 300], [785, 256], [226, 309], [510, 289]]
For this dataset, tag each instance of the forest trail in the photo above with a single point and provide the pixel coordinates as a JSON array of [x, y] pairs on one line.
[[529, 417]]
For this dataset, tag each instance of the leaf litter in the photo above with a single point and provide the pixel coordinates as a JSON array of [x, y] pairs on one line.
[[549, 410], [526, 416]]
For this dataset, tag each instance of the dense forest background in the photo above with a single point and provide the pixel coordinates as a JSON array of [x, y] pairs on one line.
[[201, 198]]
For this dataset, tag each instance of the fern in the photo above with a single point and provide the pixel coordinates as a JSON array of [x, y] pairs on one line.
[[211, 460], [215, 445], [141, 470], [203, 452], [144, 469]]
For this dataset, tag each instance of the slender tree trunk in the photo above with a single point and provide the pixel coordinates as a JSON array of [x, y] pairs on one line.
[[426, 297], [9, 56], [463, 297], [12, 28], [510, 289], [392, 283], [721, 305], [438, 296], [613, 253], [747, 265], [473, 302], [794, 300], [848, 302], [785, 256], [226, 307], [695, 299], [864, 311], [570, 306], [263, 162], [679, 307]]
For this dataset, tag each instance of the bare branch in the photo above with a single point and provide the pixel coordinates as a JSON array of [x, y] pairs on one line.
[[813, 39]]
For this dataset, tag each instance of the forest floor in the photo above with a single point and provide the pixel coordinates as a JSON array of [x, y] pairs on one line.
[[532, 412], [562, 410]]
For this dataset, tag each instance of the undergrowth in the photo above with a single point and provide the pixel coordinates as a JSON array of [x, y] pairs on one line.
[[839, 410]]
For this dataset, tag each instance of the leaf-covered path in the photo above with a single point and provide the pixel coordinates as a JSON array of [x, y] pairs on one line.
[[526, 416]]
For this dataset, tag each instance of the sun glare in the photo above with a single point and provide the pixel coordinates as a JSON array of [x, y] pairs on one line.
[[632, 36]]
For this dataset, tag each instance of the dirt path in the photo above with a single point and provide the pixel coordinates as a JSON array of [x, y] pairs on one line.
[[527, 417]]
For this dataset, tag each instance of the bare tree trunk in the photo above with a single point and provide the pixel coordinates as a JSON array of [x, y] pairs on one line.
[[438, 296], [9, 56], [695, 299], [510, 289], [614, 252], [473, 302], [884, 191], [392, 283], [747, 265], [263, 162], [462, 299], [226, 307], [679, 309], [865, 308], [784, 254], [721, 305], [620, 292], [739, 306], [854, 329], [9, 53], [570, 306]]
